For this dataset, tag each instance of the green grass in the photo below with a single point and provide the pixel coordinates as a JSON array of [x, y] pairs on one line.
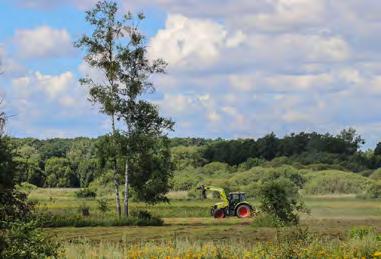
[[64, 202], [331, 215]]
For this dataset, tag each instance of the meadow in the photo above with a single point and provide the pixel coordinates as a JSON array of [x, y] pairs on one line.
[[190, 232]]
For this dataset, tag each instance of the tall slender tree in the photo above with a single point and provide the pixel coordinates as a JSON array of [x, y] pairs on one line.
[[141, 118], [118, 48], [102, 48]]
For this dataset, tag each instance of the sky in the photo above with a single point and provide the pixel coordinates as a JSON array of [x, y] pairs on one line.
[[236, 68]]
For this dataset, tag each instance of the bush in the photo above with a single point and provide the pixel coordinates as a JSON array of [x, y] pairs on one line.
[[141, 214], [85, 193], [26, 187], [102, 205], [281, 199], [26, 240], [372, 192], [335, 182], [267, 221], [186, 179], [376, 175]]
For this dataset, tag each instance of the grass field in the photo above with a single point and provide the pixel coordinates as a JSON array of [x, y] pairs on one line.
[[189, 225]]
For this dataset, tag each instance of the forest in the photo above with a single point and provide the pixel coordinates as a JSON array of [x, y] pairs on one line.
[[79, 162]]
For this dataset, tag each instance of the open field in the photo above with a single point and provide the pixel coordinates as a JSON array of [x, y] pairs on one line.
[[189, 219]]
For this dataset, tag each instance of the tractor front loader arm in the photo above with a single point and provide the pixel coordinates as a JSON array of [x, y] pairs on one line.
[[220, 191]]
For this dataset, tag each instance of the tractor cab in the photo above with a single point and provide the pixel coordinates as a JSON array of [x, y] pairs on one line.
[[234, 199]]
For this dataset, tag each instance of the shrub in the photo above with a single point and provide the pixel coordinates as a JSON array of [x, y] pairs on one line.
[[85, 193], [102, 205], [186, 179], [373, 191], [376, 175], [141, 214], [26, 240], [335, 182], [26, 187], [215, 168], [281, 199], [267, 221]]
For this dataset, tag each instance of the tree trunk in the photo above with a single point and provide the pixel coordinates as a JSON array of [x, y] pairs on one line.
[[117, 198], [116, 181], [126, 190]]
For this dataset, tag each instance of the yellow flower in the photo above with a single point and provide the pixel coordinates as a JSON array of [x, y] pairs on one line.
[[377, 254]]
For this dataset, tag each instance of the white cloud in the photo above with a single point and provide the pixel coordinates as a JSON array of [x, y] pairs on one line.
[[54, 85], [187, 41], [192, 43], [43, 42], [298, 47], [177, 104], [283, 15]]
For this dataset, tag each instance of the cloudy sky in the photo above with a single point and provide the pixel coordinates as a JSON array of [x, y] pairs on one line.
[[239, 68]]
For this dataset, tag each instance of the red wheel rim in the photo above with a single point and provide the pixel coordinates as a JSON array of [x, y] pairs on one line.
[[219, 214], [243, 212]]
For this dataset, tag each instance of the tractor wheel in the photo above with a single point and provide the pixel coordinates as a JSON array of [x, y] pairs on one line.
[[219, 214], [243, 211]]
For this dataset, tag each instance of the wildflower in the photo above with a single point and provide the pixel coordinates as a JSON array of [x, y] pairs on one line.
[[377, 254]]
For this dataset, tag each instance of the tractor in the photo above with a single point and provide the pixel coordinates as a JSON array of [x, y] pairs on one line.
[[233, 205]]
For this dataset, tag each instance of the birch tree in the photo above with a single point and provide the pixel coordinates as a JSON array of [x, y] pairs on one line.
[[102, 47]]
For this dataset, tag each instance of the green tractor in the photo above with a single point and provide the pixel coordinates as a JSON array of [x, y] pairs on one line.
[[233, 205]]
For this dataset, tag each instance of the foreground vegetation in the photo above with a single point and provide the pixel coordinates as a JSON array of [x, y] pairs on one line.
[[288, 243]]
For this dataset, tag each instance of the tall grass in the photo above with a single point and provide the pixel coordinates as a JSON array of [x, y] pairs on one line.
[[297, 243]]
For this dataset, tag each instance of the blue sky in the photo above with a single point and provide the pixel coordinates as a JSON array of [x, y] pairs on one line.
[[238, 68]]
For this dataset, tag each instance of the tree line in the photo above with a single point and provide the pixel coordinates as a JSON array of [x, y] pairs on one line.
[[77, 162], [305, 148]]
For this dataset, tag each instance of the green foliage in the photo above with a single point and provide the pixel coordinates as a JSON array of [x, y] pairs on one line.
[[376, 175], [267, 221], [186, 179], [141, 214], [26, 240], [333, 182], [361, 232], [20, 237], [102, 205], [280, 198], [373, 191], [26, 187], [6, 165], [377, 150], [59, 173], [28, 169], [150, 168], [85, 193], [186, 156], [215, 168]]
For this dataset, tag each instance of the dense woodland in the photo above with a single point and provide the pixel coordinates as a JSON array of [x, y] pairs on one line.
[[80, 161]]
